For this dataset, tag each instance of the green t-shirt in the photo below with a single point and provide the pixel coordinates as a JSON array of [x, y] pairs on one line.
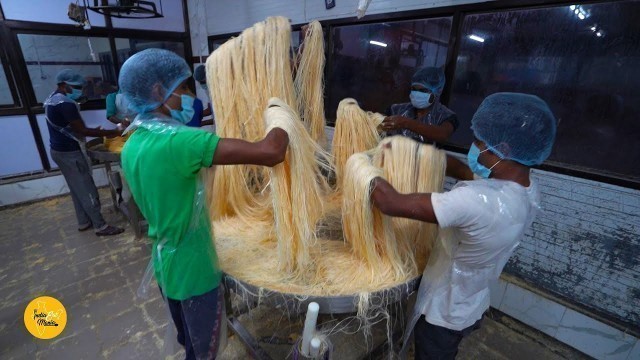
[[161, 166]]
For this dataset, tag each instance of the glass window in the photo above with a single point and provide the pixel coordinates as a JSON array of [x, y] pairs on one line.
[[171, 20], [296, 38], [373, 63], [128, 47], [5, 91], [45, 55], [215, 44], [581, 59]]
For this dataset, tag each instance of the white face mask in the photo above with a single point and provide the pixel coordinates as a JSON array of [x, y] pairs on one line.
[[420, 100]]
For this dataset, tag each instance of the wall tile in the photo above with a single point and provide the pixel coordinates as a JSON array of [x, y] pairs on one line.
[[497, 289], [593, 337], [29, 190], [635, 352], [532, 309]]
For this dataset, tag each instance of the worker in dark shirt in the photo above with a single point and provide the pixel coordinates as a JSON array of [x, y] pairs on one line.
[[423, 119], [199, 112], [66, 133]]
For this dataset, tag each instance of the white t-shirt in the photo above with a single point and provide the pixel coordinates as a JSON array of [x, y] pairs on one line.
[[481, 223]]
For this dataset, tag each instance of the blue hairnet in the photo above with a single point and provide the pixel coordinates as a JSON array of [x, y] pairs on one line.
[[200, 74], [516, 126], [149, 77], [70, 77], [430, 77]]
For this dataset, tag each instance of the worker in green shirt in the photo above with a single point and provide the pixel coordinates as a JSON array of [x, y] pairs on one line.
[[161, 162], [118, 111]]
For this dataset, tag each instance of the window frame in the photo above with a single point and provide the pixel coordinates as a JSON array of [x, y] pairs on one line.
[[10, 83], [25, 102], [93, 104]]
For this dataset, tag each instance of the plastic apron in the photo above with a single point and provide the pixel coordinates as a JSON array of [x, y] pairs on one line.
[[55, 99], [443, 270], [164, 252]]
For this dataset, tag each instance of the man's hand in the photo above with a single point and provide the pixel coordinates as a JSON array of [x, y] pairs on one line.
[[394, 122], [112, 133], [276, 143], [390, 202]]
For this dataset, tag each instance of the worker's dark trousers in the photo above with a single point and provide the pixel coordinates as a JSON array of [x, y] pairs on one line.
[[83, 190], [197, 321], [436, 342]]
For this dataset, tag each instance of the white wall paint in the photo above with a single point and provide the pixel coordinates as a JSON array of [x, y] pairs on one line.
[[198, 21], [17, 146], [47, 11]]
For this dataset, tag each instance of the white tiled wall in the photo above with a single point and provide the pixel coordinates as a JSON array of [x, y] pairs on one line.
[[567, 325], [594, 338], [496, 291], [29, 190], [544, 313], [635, 352]]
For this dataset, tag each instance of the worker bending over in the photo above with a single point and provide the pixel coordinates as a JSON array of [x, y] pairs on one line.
[[481, 221], [161, 161]]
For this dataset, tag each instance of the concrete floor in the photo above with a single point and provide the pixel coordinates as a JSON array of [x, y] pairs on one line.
[[97, 279]]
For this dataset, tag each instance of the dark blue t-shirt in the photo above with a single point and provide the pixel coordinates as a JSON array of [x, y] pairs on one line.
[[198, 109], [62, 115]]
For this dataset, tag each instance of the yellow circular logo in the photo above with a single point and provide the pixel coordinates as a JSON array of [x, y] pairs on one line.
[[45, 317]]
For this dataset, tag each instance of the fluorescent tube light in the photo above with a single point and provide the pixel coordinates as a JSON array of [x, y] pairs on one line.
[[373, 42]]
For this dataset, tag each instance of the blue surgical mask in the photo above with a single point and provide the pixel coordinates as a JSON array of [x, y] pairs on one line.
[[475, 166], [186, 114], [75, 94], [420, 100]]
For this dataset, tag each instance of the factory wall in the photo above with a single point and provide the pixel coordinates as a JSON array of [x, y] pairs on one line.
[[576, 274]]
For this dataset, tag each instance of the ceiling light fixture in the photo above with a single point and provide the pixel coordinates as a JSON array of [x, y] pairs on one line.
[[373, 42], [476, 38]]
